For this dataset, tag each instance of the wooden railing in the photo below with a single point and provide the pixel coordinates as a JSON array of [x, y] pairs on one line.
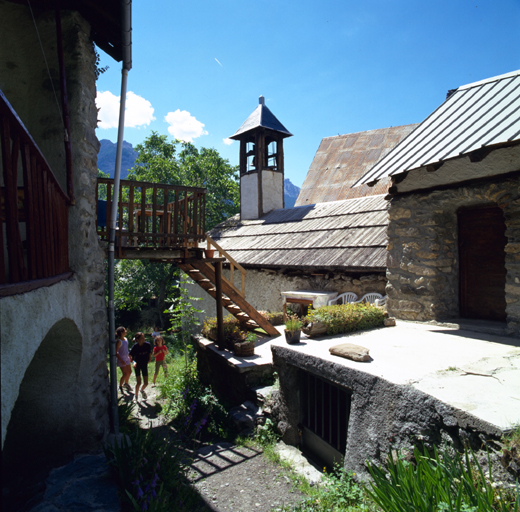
[[212, 245], [34, 211], [153, 214]]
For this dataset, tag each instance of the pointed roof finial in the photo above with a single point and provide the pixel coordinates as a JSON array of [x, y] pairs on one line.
[[261, 117]]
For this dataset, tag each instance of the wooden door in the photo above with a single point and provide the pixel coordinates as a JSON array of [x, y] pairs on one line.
[[482, 269]]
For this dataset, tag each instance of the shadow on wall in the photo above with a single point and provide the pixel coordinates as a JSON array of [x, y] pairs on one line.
[[43, 429]]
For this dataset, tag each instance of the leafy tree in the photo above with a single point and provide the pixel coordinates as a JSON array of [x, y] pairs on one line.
[[175, 163], [161, 161]]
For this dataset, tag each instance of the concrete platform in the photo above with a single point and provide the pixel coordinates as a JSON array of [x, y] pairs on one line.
[[478, 373]]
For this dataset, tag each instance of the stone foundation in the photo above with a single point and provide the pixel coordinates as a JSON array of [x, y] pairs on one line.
[[423, 266]]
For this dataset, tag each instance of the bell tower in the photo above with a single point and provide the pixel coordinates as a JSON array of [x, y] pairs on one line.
[[261, 163]]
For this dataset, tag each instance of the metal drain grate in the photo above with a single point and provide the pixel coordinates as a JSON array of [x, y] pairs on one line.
[[326, 411]]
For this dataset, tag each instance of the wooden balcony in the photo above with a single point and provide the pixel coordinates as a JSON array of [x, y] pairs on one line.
[[154, 221], [34, 245]]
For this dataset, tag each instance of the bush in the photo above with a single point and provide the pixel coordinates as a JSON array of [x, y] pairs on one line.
[[442, 482], [187, 401], [148, 471], [232, 331], [343, 318]]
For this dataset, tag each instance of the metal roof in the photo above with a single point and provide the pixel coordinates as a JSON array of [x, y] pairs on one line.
[[348, 235], [474, 116], [343, 159], [261, 117]]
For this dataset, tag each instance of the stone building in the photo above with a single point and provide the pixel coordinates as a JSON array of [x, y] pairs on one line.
[[334, 239], [53, 316], [454, 230]]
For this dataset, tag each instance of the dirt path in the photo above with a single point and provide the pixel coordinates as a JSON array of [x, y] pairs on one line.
[[227, 477]]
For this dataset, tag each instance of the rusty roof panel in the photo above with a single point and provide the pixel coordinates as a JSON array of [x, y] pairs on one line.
[[342, 160]]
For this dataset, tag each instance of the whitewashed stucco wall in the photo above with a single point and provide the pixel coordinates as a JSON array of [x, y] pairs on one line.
[[263, 289]]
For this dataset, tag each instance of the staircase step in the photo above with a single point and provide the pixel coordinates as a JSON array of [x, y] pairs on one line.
[[194, 271]]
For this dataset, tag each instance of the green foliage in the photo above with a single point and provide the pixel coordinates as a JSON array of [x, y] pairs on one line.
[[102, 192], [232, 330], [183, 314], [139, 280], [267, 434], [181, 163], [344, 318], [337, 492], [293, 323], [187, 398], [442, 482], [149, 472]]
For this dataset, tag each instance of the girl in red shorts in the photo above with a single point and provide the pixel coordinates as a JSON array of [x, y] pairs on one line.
[[159, 352]]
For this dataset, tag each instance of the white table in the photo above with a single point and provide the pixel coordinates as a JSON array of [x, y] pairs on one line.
[[317, 298]]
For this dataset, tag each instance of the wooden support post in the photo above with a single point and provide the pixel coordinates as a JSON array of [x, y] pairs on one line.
[[220, 316]]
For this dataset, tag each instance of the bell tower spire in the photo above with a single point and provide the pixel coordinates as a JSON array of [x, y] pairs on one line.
[[261, 162]]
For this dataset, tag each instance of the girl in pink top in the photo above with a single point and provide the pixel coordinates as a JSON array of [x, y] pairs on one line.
[[159, 352]]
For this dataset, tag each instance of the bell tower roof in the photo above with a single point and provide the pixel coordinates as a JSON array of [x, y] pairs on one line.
[[261, 117]]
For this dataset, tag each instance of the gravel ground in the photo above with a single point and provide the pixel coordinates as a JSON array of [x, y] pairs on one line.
[[236, 478], [228, 477]]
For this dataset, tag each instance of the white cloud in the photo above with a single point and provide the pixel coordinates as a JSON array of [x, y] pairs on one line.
[[184, 126], [138, 112], [228, 141]]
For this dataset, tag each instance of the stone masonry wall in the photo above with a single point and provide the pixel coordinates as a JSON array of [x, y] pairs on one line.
[[423, 266], [26, 83]]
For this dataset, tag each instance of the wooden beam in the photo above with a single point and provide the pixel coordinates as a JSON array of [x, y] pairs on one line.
[[220, 315]]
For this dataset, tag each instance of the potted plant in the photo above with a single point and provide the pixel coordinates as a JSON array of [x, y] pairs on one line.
[[293, 329], [246, 347]]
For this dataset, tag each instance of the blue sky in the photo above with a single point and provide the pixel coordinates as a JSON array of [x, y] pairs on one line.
[[325, 68]]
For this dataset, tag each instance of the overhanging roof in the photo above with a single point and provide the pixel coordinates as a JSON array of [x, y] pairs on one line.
[[483, 114], [345, 235], [104, 16]]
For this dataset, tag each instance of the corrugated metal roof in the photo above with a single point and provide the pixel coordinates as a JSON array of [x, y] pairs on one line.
[[476, 115], [261, 117], [346, 235], [342, 160]]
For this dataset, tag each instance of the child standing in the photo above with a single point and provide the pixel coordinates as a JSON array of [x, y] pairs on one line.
[[141, 355], [159, 352], [123, 359]]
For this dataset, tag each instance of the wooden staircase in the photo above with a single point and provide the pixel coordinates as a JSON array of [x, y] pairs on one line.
[[203, 273]]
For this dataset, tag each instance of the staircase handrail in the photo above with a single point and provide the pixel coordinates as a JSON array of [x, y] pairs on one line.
[[232, 265]]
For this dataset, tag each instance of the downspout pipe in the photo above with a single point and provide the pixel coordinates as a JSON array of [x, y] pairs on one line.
[[126, 25]]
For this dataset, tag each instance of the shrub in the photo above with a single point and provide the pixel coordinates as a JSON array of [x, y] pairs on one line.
[[232, 330], [343, 318], [275, 318], [148, 471], [293, 323], [442, 482]]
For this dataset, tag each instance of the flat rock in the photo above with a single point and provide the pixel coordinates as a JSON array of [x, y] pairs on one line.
[[350, 351]]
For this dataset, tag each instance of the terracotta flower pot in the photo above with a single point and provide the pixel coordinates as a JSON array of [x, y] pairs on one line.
[[292, 337], [210, 253]]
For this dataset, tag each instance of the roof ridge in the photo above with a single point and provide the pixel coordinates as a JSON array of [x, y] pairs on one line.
[[488, 80]]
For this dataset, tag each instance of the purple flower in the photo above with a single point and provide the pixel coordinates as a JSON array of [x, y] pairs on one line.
[[140, 493], [144, 506], [154, 494], [135, 482]]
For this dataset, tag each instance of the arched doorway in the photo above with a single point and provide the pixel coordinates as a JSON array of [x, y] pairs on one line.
[[482, 270], [42, 430]]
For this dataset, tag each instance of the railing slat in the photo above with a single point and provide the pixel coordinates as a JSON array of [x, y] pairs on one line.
[[35, 200]]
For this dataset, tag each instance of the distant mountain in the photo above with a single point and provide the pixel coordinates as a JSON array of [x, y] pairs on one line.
[[107, 157], [290, 192]]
